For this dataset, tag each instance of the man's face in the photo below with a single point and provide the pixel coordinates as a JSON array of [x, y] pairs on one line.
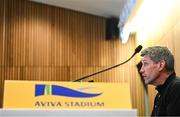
[[149, 70]]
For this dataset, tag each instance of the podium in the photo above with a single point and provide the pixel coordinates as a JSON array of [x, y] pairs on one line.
[[66, 99]]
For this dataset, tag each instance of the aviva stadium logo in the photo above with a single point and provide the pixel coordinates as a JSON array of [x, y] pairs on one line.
[[56, 90]]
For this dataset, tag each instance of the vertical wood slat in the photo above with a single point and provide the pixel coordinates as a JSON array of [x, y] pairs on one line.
[[48, 43], [2, 34]]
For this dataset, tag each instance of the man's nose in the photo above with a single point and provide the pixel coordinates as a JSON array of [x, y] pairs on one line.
[[141, 70]]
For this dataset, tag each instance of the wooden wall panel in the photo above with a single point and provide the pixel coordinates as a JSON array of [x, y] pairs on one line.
[[176, 33], [54, 44]]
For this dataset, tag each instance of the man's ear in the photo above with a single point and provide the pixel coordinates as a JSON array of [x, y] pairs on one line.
[[162, 65]]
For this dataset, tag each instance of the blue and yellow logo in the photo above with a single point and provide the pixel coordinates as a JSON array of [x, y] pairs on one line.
[[56, 90]]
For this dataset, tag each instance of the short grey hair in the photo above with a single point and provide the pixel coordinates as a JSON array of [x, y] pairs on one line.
[[158, 53]]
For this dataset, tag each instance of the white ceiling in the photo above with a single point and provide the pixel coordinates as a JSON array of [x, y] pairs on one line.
[[105, 8]]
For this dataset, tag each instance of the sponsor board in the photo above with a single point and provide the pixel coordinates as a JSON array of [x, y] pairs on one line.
[[66, 95]]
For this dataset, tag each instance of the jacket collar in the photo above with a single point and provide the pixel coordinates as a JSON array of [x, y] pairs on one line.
[[160, 88]]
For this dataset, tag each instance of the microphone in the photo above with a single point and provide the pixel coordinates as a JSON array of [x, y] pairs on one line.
[[137, 50]]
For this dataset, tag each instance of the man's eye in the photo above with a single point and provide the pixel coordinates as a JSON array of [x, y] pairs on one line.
[[145, 64]]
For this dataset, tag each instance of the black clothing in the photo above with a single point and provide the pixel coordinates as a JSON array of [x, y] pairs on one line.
[[167, 100]]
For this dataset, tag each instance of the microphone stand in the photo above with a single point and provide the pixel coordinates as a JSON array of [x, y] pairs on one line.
[[105, 69]]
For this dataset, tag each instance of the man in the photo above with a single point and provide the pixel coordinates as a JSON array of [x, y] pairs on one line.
[[158, 70]]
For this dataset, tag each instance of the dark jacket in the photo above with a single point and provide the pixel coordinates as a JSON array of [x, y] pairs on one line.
[[167, 100]]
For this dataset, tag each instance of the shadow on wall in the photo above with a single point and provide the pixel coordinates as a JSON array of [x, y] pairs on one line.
[[139, 65]]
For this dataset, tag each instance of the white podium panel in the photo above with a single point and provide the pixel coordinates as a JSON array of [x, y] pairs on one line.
[[67, 113]]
